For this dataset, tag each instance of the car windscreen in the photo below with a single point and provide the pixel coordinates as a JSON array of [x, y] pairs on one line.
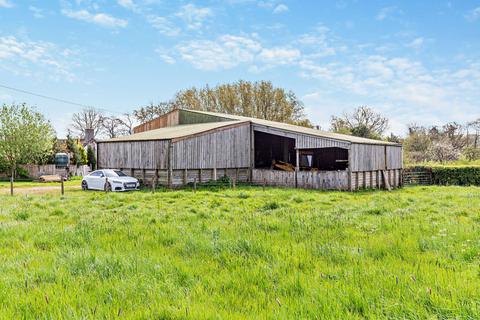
[[111, 173], [120, 173]]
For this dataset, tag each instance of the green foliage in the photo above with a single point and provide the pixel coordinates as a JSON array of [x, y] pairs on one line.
[[91, 159], [471, 153], [83, 154], [412, 253], [25, 136], [450, 175], [259, 99], [79, 155]]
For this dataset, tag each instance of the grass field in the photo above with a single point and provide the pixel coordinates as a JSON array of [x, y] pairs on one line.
[[244, 253]]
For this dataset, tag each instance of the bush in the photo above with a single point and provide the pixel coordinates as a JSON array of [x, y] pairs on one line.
[[462, 176], [450, 175], [471, 154]]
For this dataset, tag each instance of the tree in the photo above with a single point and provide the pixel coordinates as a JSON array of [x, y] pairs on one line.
[[91, 159], [363, 122], [442, 151], [88, 118], [251, 99], [74, 150], [150, 112], [127, 123], [25, 136], [416, 144], [111, 126]]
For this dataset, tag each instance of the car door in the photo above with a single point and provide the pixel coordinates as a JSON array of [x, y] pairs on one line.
[[95, 180]]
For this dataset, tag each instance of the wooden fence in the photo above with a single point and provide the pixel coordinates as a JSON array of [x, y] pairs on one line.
[[35, 171], [326, 180]]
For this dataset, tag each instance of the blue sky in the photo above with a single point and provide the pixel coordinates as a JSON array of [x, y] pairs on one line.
[[414, 61]]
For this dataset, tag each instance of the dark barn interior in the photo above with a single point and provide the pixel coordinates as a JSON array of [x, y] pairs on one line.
[[271, 148]]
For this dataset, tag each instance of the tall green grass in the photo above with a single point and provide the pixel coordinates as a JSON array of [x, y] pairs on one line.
[[243, 253]]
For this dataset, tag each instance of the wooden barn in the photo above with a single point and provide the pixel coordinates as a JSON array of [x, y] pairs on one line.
[[184, 146]]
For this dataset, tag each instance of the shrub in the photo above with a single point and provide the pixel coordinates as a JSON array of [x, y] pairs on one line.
[[471, 154], [462, 176], [450, 175]]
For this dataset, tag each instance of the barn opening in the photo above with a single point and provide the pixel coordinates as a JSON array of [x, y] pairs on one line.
[[278, 152], [270, 148], [324, 159]]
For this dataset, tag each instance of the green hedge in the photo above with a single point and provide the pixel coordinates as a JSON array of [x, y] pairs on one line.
[[463, 176], [450, 175]]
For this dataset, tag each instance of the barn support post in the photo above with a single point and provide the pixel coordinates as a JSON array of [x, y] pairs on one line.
[[252, 153], [297, 165], [350, 187], [169, 164]]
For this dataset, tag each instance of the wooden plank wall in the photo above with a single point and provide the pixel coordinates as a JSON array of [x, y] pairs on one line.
[[183, 177], [323, 180], [367, 157], [133, 154], [226, 148], [167, 120], [374, 179], [273, 178], [303, 141], [394, 157]]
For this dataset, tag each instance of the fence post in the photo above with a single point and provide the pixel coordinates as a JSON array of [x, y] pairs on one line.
[[105, 187], [62, 186], [194, 184], [11, 185], [233, 182]]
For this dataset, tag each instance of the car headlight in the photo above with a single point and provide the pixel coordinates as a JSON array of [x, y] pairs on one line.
[[116, 181]]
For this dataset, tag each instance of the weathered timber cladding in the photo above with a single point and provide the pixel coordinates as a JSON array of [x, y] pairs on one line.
[[374, 179], [324, 180], [133, 154], [303, 141], [182, 177], [394, 157], [167, 120], [273, 178], [367, 157], [225, 148]]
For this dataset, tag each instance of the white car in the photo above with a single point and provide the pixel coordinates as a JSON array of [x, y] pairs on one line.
[[109, 180]]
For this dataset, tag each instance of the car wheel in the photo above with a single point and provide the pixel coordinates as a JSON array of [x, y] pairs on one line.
[[84, 185], [108, 187]]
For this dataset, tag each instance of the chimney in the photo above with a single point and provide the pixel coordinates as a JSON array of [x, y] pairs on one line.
[[89, 136]]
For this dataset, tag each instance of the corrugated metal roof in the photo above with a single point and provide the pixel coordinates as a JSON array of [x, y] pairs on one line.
[[299, 129], [181, 131], [175, 132]]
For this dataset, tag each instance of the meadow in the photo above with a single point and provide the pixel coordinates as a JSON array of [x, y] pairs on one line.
[[223, 253]]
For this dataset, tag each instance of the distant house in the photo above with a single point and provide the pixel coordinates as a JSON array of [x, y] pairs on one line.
[[183, 146]]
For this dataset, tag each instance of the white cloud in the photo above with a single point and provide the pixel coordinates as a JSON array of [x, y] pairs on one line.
[[280, 8], [5, 4], [128, 4], [164, 26], [416, 43], [279, 55], [386, 12], [36, 58], [226, 52], [101, 19], [194, 16], [37, 12], [163, 54], [474, 14]]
